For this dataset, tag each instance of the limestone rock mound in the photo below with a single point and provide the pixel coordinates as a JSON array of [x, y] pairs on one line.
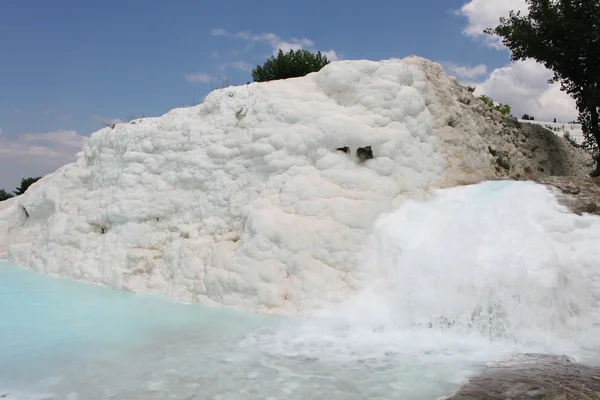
[[262, 197]]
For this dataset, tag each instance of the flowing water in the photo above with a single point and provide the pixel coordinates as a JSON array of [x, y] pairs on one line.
[[474, 275]]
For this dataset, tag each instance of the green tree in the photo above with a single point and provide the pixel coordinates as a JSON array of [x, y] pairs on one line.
[[25, 183], [4, 195], [290, 65], [564, 35]]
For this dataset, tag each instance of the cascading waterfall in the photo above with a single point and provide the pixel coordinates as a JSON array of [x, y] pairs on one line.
[[498, 265], [498, 259]]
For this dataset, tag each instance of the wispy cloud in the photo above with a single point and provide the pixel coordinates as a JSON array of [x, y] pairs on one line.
[[465, 71], [58, 113], [247, 35], [240, 65], [35, 154], [275, 41], [198, 77], [218, 32]]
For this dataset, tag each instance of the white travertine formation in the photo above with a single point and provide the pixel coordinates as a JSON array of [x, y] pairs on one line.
[[245, 200]]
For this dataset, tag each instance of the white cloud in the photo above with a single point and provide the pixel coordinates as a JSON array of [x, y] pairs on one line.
[[198, 77], [482, 14], [219, 32], [331, 55], [465, 72], [286, 47], [242, 66], [244, 35], [36, 154], [275, 41], [524, 86]]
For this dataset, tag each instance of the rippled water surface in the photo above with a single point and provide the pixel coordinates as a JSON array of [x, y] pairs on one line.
[[61, 339]]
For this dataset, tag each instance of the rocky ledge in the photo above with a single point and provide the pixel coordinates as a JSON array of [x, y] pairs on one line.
[[580, 194], [533, 377]]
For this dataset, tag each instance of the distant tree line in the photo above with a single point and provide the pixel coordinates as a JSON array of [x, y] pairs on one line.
[[528, 117], [25, 183]]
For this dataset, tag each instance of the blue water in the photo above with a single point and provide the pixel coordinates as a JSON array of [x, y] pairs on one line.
[[61, 339], [51, 326]]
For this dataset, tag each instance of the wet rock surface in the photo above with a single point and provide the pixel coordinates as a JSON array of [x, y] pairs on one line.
[[533, 377], [580, 194]]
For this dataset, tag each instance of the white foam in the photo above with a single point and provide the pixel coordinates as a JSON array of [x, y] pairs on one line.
[[476, 273]]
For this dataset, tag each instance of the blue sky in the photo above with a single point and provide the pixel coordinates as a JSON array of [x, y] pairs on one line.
[[69, 66]]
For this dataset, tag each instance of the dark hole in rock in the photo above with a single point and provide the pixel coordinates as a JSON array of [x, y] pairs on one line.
[[99, 228], [345, 149], [364, 153]]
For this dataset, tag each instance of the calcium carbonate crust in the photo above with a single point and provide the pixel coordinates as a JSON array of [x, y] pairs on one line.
[[257, 198]]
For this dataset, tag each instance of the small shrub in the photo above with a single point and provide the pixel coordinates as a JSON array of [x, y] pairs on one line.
[[503, 109], [131, 118], [503, 162], [222, 82], [240, 114], [501, 159], [290, 65]]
